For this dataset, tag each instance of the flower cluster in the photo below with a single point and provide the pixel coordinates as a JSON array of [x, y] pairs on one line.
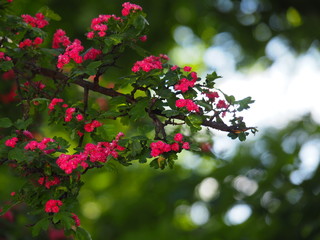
[[48, 183], [72, 52], [4, 57], [52, 206], [60, 37], [148, 64], [188, 103], [38, 21], [69, 113], [92, 54], [89, 127], [29, 43], [185, 83], [212, 95], [160, 147], [33, 145], [99, 25], [11, 142], [54, 102], [127, 7], [222, 104], [38, 85], [95, 153], [76, 219]]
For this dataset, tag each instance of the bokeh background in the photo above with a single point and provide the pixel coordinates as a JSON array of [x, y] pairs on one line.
[[266, 188]]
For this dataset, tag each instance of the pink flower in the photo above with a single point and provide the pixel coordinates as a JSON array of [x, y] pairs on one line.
[[13, 193], [37, 21], [184, 85], [159, 147], [54, 102], [89, 127], [147, 64], [72, 52], [127, 7], [69, 113], [52, 206], [174, 67], [175, 147], [187, 69], [76, 219], [90, 35], [178, 137], [186, 145], [222, 104], [188, 103], [92, 54], [11, 142], [212, 95], [60, 37], [143, 38], [37, 41], [48, 183], [79, 117]]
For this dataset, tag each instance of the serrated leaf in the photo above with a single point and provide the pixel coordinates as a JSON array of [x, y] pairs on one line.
[[170, 113], [135, 147], [43, 224], [47, 12], [22, 124], [91, 69], [6, 65], [82, 234], [244, 103], [17, 154], [210, 79], [138, 110], [5, 122], [117, 100]]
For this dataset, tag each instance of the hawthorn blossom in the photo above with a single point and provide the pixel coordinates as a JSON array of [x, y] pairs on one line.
[[11, 142], [92, 54], [99, 25], [89, 127], [54, 102], [76, 219], [188, 103], [187, 69], [4, 57], [222, 104], [60, 37], [159, 147], [72, 52], [147, 64], [52, 206], [178, 137], [48, 183], [129, 7], [38, 21], [69, 113]]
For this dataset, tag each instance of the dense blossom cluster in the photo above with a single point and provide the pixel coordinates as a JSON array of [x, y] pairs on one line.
[[47, 182], [185, 83], [60, 37], [212, 95], [128, 7], [160, 147], [31, 43], [69, 113], [149, 63], [4, 57], [42, 145], [222, 104], [38, 21], [76, 219], [54, 102], [92, 54], [89, 127], [187, 103], [72, 52], [99, 25], [11, 142], [52, 206], [94, 152]]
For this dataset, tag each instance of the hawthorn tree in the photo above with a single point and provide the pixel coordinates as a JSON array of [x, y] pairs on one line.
[[163, 108]]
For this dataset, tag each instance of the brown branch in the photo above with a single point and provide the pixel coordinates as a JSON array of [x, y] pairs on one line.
[[130, 99]]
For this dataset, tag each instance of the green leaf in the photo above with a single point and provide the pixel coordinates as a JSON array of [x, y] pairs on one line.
[[5, 122], [135, 147], [244, 103], [230, 99], [43, 224], [138, 110], [22, 124], [195, 121], [47, 12], [170, 113], [118, 100], [6, 65], [91, 69], [210, 79], [82, 234], [17, 154]]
